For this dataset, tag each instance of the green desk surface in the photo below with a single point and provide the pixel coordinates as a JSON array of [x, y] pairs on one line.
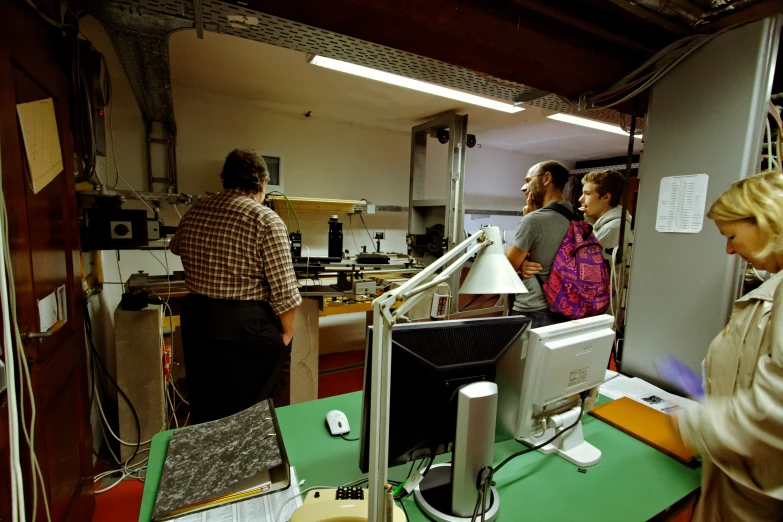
[[633, 481]]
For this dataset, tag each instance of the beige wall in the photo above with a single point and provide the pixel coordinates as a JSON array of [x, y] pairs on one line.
[[320, 158]]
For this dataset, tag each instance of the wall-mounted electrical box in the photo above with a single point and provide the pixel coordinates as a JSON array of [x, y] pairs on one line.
[[114, 229], [364, 287], [440, 306]]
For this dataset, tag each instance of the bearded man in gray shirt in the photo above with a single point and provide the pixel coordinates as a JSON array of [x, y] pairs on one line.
[[539, 236]]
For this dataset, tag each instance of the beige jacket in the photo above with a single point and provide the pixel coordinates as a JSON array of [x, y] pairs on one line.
[[739, 429]]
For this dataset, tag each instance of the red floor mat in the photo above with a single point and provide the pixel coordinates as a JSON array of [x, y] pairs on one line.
[[346, 360], [338, 383], [340, 373]]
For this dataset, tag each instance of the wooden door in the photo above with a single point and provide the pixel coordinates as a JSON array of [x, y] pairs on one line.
[[45, 254]]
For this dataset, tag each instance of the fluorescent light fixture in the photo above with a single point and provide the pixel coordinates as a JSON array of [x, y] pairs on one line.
[[416, 85], [584, 122]]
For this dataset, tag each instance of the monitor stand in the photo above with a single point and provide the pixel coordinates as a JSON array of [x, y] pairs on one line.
[[571, 445], [435, 492], [448, 492]]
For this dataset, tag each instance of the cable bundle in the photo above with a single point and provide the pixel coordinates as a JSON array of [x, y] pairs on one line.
[[646, 75]]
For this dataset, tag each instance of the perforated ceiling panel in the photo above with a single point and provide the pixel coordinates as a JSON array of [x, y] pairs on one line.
[[243, 22]]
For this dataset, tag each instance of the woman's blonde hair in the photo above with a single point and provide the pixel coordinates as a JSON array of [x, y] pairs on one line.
[[758, 199]]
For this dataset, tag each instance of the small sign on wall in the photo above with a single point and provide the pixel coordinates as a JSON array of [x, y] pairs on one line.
[[41, 141], [53, 309], [681, 204]]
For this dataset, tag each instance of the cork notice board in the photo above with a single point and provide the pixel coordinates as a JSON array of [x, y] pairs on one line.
[[41, 141]]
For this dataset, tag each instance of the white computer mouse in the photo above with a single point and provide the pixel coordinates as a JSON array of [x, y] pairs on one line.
[[337, 423]]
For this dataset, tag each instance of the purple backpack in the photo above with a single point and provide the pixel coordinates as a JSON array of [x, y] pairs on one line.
[[578, 285]]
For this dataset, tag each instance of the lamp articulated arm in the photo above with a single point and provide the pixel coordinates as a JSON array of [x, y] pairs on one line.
[[384, 319]]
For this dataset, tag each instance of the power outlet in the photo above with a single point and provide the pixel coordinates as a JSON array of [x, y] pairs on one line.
[[440, 306], [364, 287]]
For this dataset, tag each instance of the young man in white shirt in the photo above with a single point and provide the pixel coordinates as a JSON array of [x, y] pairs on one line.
[[602, 193]]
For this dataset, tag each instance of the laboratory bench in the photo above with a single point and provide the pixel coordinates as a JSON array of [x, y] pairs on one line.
[[631, 482]]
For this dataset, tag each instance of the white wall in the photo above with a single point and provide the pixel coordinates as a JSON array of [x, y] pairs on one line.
[[320, 159], [493, 180]]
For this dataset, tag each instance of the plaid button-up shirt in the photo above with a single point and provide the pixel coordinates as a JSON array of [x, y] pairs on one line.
[[233, 247]]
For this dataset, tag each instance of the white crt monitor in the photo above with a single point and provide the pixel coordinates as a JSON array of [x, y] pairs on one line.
[[540, 397]]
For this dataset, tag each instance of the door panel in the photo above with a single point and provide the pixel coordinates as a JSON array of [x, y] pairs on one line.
[[59, 444], [44, 254], [44, 217]]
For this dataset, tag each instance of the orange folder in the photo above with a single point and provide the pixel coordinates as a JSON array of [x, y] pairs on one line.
[[645, 424]]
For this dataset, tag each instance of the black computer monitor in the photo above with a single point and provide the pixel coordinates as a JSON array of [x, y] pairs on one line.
[[430, 362]]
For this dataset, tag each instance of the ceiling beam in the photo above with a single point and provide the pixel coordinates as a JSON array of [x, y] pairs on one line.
[[688, 7], [551, 11], [653, 17], [495, 37]]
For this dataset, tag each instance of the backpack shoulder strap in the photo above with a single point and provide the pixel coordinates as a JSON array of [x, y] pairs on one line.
[[563, 211]]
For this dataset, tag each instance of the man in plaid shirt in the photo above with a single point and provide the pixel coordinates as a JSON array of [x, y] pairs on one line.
[[238, 319]]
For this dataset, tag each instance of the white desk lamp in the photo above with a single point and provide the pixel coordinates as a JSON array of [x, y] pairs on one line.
[[491, 274]]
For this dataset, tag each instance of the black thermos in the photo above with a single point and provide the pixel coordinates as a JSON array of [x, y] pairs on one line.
[[335, 238]]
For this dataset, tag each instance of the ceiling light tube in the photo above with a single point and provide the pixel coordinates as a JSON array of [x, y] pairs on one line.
[[410, 83], [584, 122]]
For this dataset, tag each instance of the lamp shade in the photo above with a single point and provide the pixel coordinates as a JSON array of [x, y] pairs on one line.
[[492, 273]]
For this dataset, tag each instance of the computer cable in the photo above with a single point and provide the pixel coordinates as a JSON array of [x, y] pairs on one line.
[[402, 505], [368, 231], [433, 452], [484, 491], [483, 485], [350, 226], [476, 509], [484, 479], [96, 358], [583, 397], [346, 438], [400, 489], [291, 206]]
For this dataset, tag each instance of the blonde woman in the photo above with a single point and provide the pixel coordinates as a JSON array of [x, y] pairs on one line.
[[738, 431]]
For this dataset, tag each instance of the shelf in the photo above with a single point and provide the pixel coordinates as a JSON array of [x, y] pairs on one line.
[[317, 204]]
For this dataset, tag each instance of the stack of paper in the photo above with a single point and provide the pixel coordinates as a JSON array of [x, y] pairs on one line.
[[616, 386], [269, 508]]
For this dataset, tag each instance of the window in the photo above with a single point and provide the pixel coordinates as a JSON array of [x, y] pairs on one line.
[[275, 165]]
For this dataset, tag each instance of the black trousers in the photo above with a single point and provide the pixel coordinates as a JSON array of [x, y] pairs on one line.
[[234, 354]]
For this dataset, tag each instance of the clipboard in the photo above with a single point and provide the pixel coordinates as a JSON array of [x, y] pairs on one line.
[[645, 424]]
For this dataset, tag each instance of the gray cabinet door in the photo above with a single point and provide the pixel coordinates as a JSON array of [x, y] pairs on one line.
[[705, 116]]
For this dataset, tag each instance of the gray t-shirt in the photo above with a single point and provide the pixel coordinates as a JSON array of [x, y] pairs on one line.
[[541, 233]]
